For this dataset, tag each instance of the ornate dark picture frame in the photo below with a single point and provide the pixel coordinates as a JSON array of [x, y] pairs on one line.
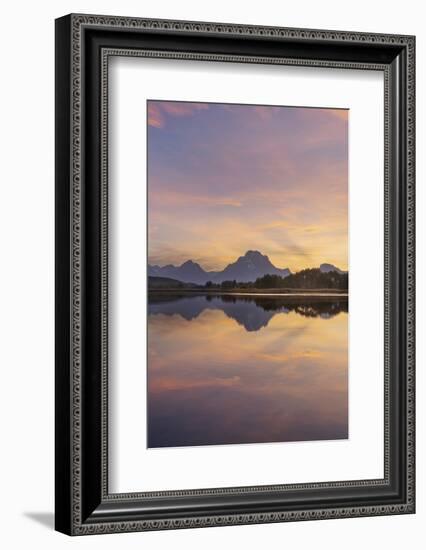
[[84, 44]]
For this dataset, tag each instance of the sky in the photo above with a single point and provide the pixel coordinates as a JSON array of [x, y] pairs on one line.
[[227, 178]]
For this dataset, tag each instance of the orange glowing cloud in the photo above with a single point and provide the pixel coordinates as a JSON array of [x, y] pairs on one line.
[[342, 114]]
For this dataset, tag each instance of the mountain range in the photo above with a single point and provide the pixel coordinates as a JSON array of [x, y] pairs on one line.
[[246, 268]]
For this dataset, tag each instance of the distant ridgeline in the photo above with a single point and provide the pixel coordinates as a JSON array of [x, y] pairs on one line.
[[305, 279], [253, 270], [167, 282]]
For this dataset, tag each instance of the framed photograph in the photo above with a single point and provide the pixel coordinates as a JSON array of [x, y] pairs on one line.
[[234, 274]]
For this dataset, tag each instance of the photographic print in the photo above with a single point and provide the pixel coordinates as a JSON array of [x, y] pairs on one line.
[[209, 213], [247, 274]]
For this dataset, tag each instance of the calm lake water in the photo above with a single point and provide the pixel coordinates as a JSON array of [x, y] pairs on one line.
[[246, 369]]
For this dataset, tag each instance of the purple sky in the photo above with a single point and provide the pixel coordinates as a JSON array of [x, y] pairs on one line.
[[224, 179]]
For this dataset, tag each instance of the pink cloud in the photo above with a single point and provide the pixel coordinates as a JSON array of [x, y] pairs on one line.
[[263, 112], [155, 117], [176, 198], [159, 110]]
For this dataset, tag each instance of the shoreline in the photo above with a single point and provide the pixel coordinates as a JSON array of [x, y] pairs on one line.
[[285, 292]]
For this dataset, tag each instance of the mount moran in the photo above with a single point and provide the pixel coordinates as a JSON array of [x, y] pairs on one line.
[[247, 268]]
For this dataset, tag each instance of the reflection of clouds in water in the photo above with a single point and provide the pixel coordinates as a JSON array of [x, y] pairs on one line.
[[212, 381]]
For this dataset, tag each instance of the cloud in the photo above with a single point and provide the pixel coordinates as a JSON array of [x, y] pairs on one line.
[[264, 113], [174, 383], [155, 117], [158, 111], [176, 198], [342, 114]]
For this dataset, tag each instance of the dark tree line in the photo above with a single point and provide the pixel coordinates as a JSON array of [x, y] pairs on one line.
[[307, 278]]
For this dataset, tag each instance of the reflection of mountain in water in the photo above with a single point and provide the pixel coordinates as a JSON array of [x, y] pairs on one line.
[[252, 312]]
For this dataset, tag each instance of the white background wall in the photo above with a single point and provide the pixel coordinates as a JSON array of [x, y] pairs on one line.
[[27, 245]]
